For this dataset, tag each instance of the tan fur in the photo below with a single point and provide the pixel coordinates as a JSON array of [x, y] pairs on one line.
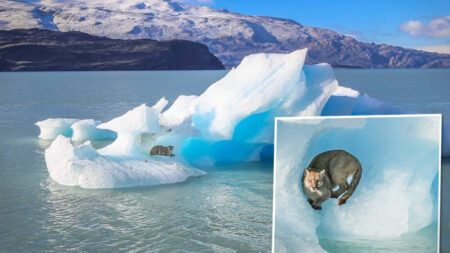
[[162, 150], [328, 170], [311, 179]]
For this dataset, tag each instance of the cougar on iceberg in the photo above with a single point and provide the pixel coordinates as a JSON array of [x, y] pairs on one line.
[[328, 170]]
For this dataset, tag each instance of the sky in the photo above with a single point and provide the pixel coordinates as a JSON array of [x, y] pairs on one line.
[[413, 24]]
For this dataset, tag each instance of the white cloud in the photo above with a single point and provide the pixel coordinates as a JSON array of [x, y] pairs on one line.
[[196, 2], [437, 28], [443, 49]]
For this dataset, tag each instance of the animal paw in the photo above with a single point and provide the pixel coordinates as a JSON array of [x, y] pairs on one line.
[[342, 201], [317, 207]]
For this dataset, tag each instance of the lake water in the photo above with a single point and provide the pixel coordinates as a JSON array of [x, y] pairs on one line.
[[228, 210]]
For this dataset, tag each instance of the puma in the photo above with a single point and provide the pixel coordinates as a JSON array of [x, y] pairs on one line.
[[162, 150], [327, 171]]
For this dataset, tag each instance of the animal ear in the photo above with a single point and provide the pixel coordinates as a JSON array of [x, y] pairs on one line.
[[306, 171], [322, 173]]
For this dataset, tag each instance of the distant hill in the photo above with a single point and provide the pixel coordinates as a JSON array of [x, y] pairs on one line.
[[45, 50], [229, 35]]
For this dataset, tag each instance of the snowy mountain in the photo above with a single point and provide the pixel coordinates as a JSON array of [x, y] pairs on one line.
[[230, 36]]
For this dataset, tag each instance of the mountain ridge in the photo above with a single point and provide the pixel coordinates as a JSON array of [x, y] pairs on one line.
[[229, 35], [45, 50]]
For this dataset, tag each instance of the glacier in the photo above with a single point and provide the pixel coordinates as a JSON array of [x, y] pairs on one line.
[[398, 191], [232, 121]]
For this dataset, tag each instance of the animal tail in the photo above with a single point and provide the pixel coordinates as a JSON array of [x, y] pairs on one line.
[[352, 186]]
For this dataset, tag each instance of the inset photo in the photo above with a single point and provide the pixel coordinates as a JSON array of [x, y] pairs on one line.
[[357, 184]]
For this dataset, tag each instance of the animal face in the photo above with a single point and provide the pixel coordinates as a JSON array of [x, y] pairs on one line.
[[314, 179]]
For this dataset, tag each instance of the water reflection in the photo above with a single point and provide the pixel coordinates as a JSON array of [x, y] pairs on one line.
[[224, 210]]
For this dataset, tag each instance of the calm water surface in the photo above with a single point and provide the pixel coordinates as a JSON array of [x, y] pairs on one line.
[[228, 210]]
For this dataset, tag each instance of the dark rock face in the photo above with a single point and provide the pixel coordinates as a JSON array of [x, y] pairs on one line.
[[45, 50]]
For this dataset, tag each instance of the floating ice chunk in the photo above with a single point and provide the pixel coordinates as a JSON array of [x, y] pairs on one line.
[[50, 128], [83, 166], [87, 130], [136, 131]]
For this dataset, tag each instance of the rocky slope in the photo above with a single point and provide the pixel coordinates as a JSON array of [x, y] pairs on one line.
[[230, 36], [38, 50]]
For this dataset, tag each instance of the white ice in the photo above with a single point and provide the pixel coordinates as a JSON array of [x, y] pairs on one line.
[[83, 166], [78, 130], [233, 119], [135, 130], [262, 83], [83, 130], [51, 128]]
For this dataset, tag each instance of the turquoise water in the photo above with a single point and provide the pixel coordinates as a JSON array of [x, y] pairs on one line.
[[228, 210]]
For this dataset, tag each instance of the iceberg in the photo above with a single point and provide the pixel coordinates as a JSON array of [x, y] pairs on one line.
[[123, 163], [398, 189], [83, 166], [51, 128], [232, 121], [272, 83], [235, 115]]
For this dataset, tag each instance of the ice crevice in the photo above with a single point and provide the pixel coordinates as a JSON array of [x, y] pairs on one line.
[[396, 194]]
